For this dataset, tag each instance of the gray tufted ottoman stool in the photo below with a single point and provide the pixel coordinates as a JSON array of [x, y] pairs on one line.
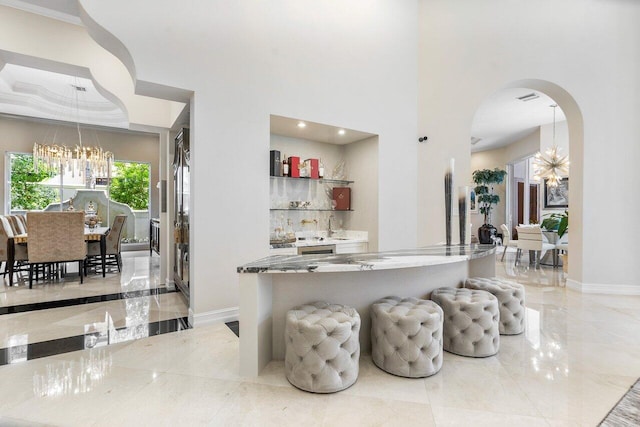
[[470, 321], [322, 347], [406, 336], [510, 302]]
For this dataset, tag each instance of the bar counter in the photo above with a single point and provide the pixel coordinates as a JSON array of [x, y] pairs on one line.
[[271, 286]]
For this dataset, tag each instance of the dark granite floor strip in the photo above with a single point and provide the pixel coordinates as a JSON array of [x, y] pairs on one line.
[[75, 343], [44, 305], [235, 327]]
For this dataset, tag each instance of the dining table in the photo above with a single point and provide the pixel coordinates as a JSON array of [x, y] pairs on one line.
[[90, 235]]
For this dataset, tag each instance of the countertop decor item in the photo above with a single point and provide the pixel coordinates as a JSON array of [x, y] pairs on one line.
[[485, 180], [448, 196], [463, 195]]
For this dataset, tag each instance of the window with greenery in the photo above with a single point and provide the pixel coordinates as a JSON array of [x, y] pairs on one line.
[[130, 184], [31, 191], [27, 192]]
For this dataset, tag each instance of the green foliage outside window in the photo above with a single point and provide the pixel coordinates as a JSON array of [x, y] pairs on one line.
[[131, 185], [26, 191]]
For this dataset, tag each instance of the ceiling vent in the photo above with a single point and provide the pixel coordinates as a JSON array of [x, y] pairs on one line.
[[475, 140], [528, 97], [79, 88]]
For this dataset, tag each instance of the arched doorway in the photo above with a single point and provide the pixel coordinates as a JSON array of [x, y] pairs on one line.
[[575, 129]]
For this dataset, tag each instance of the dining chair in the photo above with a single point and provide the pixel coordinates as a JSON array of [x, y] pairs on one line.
[[55, 237], [562, 246], [507, 241], [13, 255], [113, 247], [22, 220], [16, 225], [530, 239]]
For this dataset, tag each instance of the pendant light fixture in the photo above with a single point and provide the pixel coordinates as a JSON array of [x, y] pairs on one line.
[[551, 166], [83, 160]]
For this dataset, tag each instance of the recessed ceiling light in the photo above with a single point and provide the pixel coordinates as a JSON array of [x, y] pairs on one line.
[[341, 132], [302, 125]]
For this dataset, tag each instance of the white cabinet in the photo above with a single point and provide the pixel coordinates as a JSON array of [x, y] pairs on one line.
[[352, 247], [283, 251]]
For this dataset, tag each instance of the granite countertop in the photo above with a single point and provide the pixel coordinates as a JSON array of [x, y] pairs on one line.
[[419, 257]]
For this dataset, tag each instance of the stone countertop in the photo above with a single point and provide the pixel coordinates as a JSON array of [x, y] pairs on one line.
[[328, 241], [407, 258]]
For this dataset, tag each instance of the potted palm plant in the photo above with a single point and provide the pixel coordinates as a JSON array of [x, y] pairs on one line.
[[485, 180]]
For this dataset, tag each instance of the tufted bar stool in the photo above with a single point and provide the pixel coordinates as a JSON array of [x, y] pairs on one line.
[[510, 301], [406, 336], [470, 321], [322, 347]]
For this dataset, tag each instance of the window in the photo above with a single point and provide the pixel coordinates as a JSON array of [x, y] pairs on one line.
[[31, 190]]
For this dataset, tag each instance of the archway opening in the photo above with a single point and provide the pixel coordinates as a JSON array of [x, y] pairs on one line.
[[524, 132]]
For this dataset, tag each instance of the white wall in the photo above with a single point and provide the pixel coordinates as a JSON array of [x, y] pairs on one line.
[[588, 48], [19, 134], [353, 64], [362, 158], [526, 147], [350, 64]]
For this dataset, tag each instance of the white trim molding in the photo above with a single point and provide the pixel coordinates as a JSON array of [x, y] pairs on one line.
[[216, 316], [600, 288]]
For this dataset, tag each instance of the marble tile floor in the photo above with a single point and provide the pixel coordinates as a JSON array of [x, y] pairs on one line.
[[50, 324], [135, 265], [578, 356], [63, 315]]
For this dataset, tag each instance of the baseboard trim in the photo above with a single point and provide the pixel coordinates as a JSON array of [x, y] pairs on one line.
[[598, 288], [216, 316]]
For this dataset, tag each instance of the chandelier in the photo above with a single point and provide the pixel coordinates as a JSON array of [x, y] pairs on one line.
[[79, 160], [83, 161], [551, 166]]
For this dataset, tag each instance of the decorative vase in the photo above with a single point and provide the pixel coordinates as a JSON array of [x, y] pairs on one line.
[[463, 194], [486, 234], [448, 201]]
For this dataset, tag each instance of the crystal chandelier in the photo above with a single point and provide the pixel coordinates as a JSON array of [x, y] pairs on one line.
[[77, 161], [551, 166], [84, 161]]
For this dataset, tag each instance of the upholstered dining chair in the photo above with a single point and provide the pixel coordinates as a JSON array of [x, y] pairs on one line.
[[55, 237], [113, 247], [507, 241], [16, 224], [530, 239], [13, 255]]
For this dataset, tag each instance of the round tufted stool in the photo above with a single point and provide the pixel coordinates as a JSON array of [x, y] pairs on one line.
[[510, 301], [406, 336], [322, 347], [470, 321]]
